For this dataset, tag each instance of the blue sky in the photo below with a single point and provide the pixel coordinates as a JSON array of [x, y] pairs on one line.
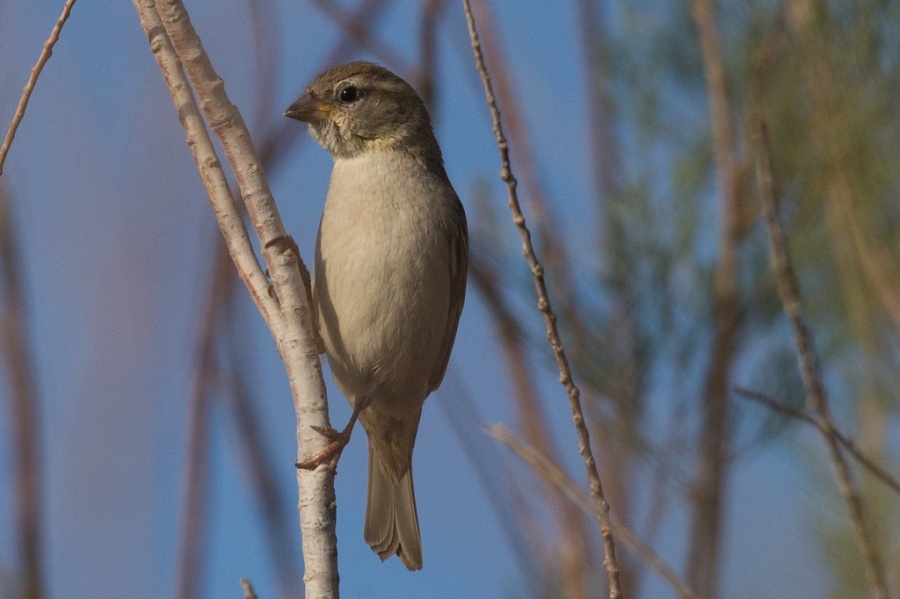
[[117, 240]]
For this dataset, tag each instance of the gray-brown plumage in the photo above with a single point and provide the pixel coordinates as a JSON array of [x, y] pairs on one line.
[[390, 275]]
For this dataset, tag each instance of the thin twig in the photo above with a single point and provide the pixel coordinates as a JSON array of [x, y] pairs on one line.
[[561, 481], [32, 81], [565, 374], [816, 397], [21, 371], [173, 40], [546, 230], [231, 221], [876, 470]]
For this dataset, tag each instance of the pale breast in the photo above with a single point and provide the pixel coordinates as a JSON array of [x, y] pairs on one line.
[[381, 279]]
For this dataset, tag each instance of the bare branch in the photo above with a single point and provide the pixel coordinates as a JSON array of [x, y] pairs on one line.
[[546, 230], [876, 470], [816, 397], [537, 272], [227, 213], [561, 481], [32, 81], [173, 40]]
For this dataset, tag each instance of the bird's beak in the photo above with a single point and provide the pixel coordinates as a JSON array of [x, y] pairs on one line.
[[309, 109]]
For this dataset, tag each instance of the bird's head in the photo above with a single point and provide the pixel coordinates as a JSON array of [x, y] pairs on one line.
[[360, 106]]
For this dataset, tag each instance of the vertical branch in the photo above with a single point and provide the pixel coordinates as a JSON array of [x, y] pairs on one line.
[[32, 81], [565, 374], [573, 542], [715, 432], [25, 416], [574, 561], [816, 397], [229, 217], [173, 40]]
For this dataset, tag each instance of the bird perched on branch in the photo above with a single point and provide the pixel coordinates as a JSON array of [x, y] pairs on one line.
[[389, 280]]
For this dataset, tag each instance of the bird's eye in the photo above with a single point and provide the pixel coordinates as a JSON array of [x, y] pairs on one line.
[[349, 94]]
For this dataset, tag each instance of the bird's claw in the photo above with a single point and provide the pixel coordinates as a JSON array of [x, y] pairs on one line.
[[332, 452]]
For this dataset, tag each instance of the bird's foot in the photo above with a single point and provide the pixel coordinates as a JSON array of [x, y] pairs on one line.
[[339, 439], [332, 452], [287, 240], [291, 245]]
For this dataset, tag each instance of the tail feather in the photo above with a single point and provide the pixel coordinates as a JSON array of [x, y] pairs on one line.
[[392, 525]]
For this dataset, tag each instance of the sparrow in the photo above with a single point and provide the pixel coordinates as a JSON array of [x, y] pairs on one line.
[[389, 281]]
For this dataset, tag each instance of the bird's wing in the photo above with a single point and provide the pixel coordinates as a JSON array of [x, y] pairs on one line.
[[459, 265]]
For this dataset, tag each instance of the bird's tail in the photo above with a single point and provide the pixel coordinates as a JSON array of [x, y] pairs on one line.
[[392, 525]]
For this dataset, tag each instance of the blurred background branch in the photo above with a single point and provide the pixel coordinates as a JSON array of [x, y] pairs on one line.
[[24, 406], [846, 443], [21, 373], [712, 476]]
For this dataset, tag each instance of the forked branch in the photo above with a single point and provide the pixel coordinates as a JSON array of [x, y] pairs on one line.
[[174, 42], [816, 397]]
